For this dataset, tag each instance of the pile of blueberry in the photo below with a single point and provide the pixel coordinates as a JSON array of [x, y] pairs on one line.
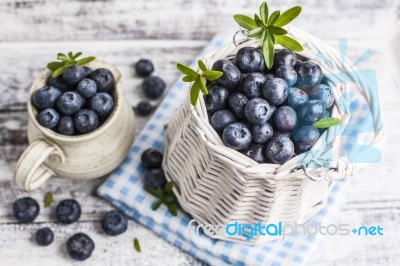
[[268, 115], [79, 246], [76, 102]]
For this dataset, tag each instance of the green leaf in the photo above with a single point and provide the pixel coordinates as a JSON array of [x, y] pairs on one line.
[[169, 199], [254, 33], [62, 57], [136, 245], [77, 55], [186, 70], [289, 43], [202, 66], [195, 91], [172, 208], [328, 122], [58, 71], [271, 37], [189, 78], [156, 204], [54, 65], [277, 30], [258, 21], [212, 75], [288, 16], [150, 190], [264, 12], [85, 60], [264, 36], [71, 55], [274, 17], [203, 87], [245, 22], [168, 187], [268, 53], [159, 193], [48, 199]]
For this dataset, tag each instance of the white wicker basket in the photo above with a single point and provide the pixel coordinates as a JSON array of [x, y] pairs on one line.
[[217, 185]]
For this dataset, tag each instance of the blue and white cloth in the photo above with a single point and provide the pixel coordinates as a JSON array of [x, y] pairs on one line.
[[124, 189]]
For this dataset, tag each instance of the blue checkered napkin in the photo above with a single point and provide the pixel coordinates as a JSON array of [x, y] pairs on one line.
[[124, 189]]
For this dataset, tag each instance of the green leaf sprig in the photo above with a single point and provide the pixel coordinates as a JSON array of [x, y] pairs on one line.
[[165, 196], [327, 122], [268, 28], [66, 61], [198, 79]]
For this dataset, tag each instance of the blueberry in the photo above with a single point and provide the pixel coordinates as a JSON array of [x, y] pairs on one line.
[[252, 85], [151, 158], [262, 132], [237, 102], [296, 97], [220, 119], [324, 93], [279, 133], [86, 121], [26, 210], [153, 87], [44, 236], [144, 68], [46, 97], [73, 75], [66, 126], [310, 112], [87, 88], [284, 57], [237, 136], [68, 211], [155, 178], [231, 74], [305, 137], [269, 76], [285, 118], [217, 98], [257, 110], [88, 71], [70, 102], [58, 82], [275, 91], [309, 74], [104, 79], [288, 74], [144, 108], [114, 223], [49, 118], [279, 149], [80, 246], [249, 59], [256, 152], [102, 104]]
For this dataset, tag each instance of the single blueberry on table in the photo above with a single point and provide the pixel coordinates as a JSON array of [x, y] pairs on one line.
[[151, 158], [86, 121], [104, 79], [252, 85], [46, 97], [80, 246], [256, 152], [87, 88], [262, 132], [88, 71], [144, 67], [153, 87], [309, 74], [237, 136], [102, 104], [217, 98], [231, 74], [220, 119], [70, 102], [237, 102], [144, 108], [66, 126], [68, 211], [296, 97], [25, 210], [275, 91], [155, 178], [257, 110], [74, 75], [279, 149], [58, 82], [310, 112], [114, 223], [305, 137], [44, 236], [288, 74], [249, 59], [324, 93], [285, 118], [49, 118], [284, 57]]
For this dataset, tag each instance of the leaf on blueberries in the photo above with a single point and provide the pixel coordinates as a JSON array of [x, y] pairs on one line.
[[86, 60], [245, 22], [288, 16], [48, 199], [54, 65], [202, 66], [195, 92], [264, 12], [274, 17], [186, 70], [268, 52], [78, 54], [58, 71], [277, 30], [328, 122], [212, 75], [136, 245], [255, 32], [289, 43], [189, 78]]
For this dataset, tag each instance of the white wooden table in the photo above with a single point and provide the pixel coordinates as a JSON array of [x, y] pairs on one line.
[[121, 32]]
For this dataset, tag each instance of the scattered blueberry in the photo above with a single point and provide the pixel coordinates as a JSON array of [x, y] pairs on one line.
[[249, 59], [144, 108], [220, 119], [73, 75], [309, 74], [310, 112], [237, 102], [262, 132], [86, 121], [231, 74], [102, 104], [114, 223], [25, 210], [153, 87], [58, 82], [104, 79], [217, 98], [144, 68], [256, 152], [275, 91], [151, 158], [44, 236], [296, 97], [70, 102], [49, 118], [68, 211], [284, 57], [155, 178], [285, 118], [257, 111], [305, 137], [252, 85], [237, 136], [46, 97], [279, 149], [80, 246], [287, 73], [66, 126], [324, 93], [87, 88]]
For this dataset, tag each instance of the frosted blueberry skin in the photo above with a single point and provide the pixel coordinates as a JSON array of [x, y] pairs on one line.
[[237, 136], [44, 236], [296, 97], [153, 87], [256, 152], [49, 118], [231, 74], [114, 223], [217, 98], [73, 75], [46, 97], [285, 118], [155, 178], [284, 57], [66, 126], [220, 119], [288, 74], [68, 211], [253, 84], [26, 209], [323, 93], [144, 67], [86, 121], [70, 102], [80, 246], [58, 82], [87, 88], [279, 149], [275, 91], [305, 137], [310, 112], [104, 79], [309, 74], [262, 132], [249, 59], [257, 111], [237, 102], [102, 104]]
